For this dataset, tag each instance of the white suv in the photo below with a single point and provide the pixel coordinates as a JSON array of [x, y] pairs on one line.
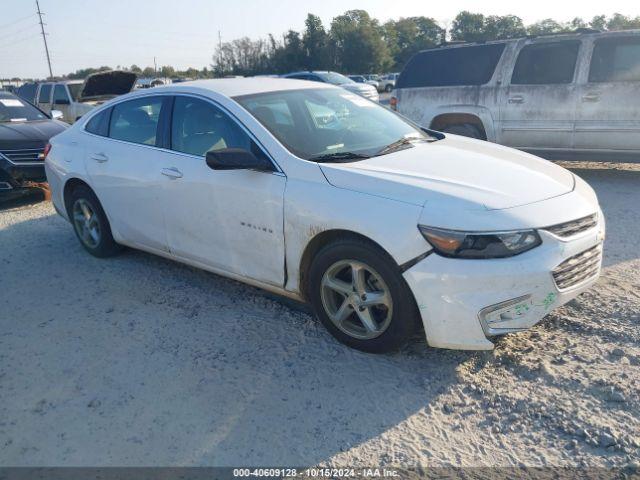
[[558, 96]]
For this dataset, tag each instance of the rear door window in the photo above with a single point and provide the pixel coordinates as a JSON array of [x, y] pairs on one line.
[[136, 121], [45, 93], [546, 64], [445, 67], [615, 60]]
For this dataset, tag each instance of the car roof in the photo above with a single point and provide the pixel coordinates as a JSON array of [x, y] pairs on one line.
[[233, 87]]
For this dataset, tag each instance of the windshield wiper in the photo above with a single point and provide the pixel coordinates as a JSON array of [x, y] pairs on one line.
[[404, 141], [339, 156]]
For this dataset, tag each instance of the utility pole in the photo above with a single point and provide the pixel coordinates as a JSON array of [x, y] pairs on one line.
[[155, 67], [44, 37]]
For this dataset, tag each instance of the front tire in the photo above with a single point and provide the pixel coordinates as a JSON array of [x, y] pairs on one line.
[[388, 88], [90, 223], [358, 293]]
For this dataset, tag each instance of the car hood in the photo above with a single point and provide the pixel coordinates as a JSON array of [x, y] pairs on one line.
[[18, 135], [471, 173], [107, 84]]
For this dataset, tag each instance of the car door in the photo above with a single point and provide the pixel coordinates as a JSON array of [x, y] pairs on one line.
[[44, 97], [124, 164], [225, 219], [62, 102], [537, 106], [608, 112]]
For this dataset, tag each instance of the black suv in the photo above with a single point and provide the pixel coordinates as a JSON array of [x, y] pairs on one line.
[[24, 132]]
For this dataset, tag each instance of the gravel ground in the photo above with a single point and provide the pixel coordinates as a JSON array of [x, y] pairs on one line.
[[137, 360]]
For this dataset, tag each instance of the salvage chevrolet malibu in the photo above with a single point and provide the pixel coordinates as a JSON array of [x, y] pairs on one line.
[[316, 193]]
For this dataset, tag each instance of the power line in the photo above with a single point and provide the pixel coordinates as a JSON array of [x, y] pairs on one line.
[[20, 30], [19, 40], [44, 37], [16, 21]]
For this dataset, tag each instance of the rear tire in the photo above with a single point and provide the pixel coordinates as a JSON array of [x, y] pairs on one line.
[[388, 88], [465, 130], [90, 223], [358, 293]]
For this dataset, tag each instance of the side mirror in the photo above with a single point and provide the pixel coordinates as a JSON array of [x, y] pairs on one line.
[[62, 101], [237, 159], [56, 115]]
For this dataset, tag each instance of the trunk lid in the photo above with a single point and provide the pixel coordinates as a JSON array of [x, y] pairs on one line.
[[105, 85]]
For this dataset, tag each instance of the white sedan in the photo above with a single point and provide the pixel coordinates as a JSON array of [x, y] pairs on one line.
[[312, 192]]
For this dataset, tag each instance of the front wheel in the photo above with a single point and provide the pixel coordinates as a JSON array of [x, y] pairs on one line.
[[358, 293], [388, 88]]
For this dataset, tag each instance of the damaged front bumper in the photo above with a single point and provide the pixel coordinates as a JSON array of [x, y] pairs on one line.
[[464, 303]]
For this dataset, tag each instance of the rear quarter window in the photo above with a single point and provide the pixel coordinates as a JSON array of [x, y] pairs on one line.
[[473, 65], [615, 60], [99, 123]]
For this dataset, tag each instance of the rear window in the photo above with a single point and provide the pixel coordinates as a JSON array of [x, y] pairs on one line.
[[616, 60], [546, 64], [472, 65]]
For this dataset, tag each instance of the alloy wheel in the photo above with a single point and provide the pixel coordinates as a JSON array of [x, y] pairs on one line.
[[356, 299], [86, 223]]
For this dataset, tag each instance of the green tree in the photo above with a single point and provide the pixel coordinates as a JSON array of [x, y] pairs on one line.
[[622, 22], [408, 36], [599, 22], [468, 27], [500, 27], [545, 27], [315, 41], [358, 44]]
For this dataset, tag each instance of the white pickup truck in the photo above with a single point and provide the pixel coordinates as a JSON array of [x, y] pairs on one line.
[[74, 98]]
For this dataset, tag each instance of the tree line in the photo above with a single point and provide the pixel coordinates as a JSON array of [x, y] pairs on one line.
[[356, 43]]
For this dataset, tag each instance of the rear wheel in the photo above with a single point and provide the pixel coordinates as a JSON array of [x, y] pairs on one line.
[[388, 88], [91, 224], [360, 296], [465, 130]]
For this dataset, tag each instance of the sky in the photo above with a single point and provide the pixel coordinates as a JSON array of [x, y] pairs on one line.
[[184, 33]]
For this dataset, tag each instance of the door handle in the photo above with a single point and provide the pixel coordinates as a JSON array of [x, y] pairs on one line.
[[172, 173], [516, 99], [99, 157], [591, 97]]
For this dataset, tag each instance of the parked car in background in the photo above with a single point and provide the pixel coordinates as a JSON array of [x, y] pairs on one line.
[[28, 91], [24, 132], [364, 79], [313, 192], [338, 79], [388, 82], [559, 96], [74, 98]]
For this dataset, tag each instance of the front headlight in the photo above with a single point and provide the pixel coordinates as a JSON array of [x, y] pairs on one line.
[[454, 243]]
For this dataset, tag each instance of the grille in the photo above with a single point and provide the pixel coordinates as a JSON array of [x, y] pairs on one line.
[[579, 268], [30, 155], [574, 227]]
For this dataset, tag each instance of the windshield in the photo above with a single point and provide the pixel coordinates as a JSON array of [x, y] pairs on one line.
[[74, 90], [322, 122], [334, 78], [14, 109]]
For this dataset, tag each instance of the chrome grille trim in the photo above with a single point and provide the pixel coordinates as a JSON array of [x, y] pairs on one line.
[[27, 156], [578, 269], [569, 229]]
